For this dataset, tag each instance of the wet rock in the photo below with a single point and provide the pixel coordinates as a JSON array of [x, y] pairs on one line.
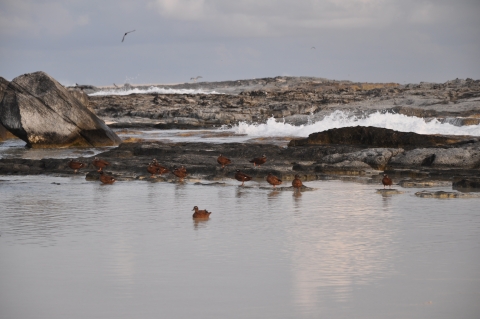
[[419, 184], [442, 194], [462, 182], [388, 192], [376, 158], [40, 111], [375, 137], [465, 157]]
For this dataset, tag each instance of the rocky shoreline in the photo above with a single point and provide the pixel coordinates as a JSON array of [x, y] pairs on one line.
[[352, 153], [297, 100]]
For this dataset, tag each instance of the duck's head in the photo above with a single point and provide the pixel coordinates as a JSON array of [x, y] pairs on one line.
[[195, 208]]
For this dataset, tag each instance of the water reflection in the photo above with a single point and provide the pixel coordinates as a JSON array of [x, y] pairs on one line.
[[309, 254], [351, 245]]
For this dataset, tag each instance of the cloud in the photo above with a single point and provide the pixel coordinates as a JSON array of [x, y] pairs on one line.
[[254, 18], [29, 17]]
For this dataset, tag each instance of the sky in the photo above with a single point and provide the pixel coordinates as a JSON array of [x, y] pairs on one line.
[[79, 41]]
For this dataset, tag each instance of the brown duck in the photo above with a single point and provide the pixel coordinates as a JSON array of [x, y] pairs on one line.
[[106, 179], [297, 182], [242, 177], [387, 181], [75, 165], [181, 173], [257, 161], [155, 168], [273, 180], [100, 164], [200, 213], [222, 160]]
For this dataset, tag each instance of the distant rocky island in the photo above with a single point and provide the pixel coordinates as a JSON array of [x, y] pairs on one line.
[[351, 151]]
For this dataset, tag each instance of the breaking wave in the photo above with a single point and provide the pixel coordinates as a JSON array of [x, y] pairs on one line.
[[150, 90], [340, 119]]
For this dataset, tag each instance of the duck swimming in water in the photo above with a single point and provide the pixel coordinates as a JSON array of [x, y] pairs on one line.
[[242, 177], [75, 165], [387, 181], [200, 213], [222, 160], [273, 180], [297, 183], [100, 164], [257, 161], [106, 179]]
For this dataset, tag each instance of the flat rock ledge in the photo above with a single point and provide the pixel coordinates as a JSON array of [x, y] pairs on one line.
[[389, 192], [442, 194], [319, 162]]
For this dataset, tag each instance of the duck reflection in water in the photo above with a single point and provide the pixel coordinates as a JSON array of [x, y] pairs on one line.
[[273, 194]]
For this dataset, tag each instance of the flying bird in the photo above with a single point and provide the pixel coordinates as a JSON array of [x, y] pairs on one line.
[[126, 34], [196, 78], [313, 48]]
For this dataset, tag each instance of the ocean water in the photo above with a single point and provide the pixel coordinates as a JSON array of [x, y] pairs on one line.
[[76, 249], [273, 131], [150, 90], [338, 119]]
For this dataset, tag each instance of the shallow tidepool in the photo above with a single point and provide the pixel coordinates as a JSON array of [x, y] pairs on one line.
[[76, 249]]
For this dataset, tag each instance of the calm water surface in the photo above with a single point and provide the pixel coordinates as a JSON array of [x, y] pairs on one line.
[[76, 249]]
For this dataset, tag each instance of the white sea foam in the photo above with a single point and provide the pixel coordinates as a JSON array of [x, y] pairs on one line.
[[150, 90], [339, 119]]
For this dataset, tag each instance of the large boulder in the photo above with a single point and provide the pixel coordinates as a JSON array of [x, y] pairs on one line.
[[40, 111], [4, 133], [376, 137]]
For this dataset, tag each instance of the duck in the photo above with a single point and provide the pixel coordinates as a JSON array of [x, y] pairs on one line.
[[153, 170], [100, 164], [181, 173], [386, 181], [160, 169], [106, 179], [297, 182], [259, 160], [75, 165], [273, 180], [222, 160], [242, 177], [200, 213]]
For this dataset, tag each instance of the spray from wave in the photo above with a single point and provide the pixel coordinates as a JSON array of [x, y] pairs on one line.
[[340, 119], [150, 90]]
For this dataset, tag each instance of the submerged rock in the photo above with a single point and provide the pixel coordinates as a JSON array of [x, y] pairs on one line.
[[442, 194], [388, 192], [40, 111]]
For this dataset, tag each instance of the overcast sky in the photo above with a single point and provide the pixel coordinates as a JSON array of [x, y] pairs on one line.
[[79, 41]]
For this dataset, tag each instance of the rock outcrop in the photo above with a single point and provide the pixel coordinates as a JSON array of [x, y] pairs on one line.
[[376, 137], [40, 111], [297, 100]]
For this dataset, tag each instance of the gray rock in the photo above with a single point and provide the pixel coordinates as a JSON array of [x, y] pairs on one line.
[[40, 111], [451, 157], [376, 158]]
